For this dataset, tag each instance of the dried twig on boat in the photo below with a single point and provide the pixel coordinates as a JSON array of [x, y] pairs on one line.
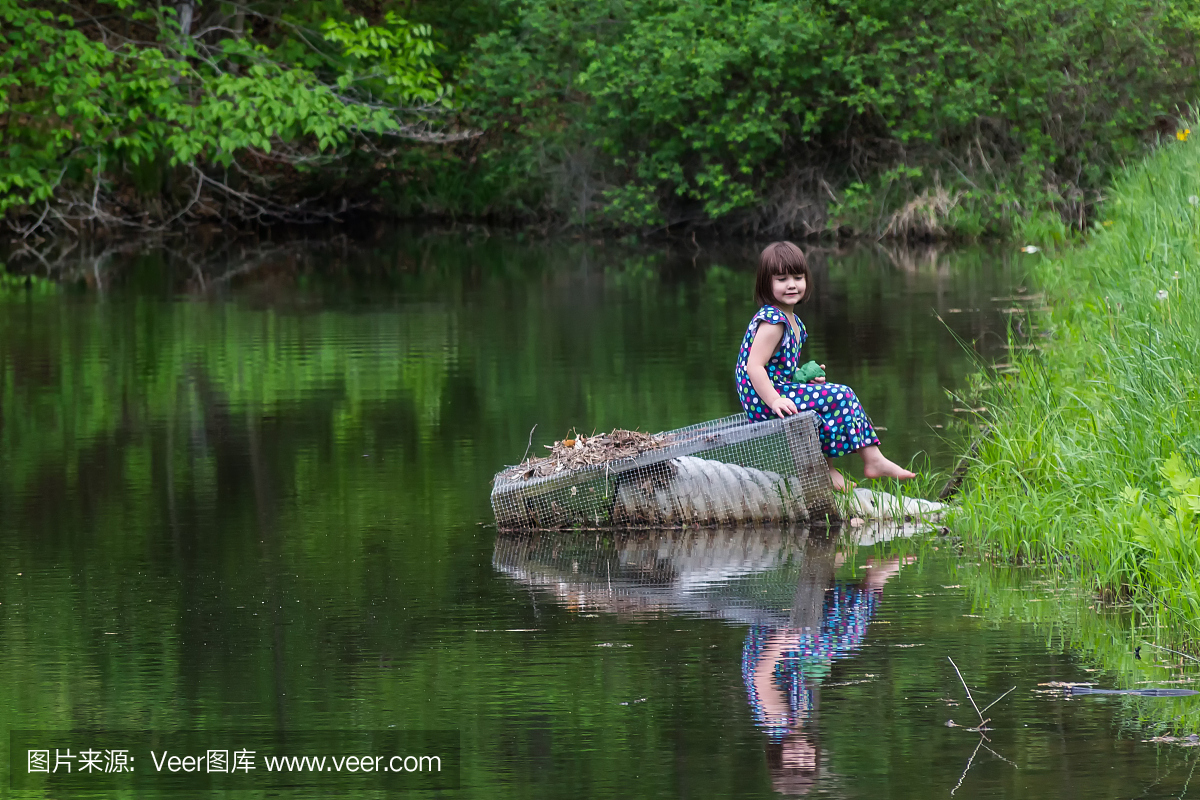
[[574, 451]]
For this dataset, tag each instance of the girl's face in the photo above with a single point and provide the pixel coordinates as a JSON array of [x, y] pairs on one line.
[[788, 289]]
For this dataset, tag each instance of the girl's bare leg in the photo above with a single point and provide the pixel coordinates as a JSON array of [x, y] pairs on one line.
[[876, 465], [836, 477]]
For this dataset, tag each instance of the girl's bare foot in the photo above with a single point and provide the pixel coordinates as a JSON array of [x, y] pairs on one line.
[[887, 469], [876, 465]]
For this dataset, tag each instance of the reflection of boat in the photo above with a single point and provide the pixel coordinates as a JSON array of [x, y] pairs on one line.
[[743, 575]]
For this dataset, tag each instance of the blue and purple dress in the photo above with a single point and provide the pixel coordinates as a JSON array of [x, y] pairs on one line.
[[809, 654], [844, 425]]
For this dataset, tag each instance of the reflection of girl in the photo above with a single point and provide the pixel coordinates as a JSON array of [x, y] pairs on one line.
[[795, 659], [783, 667]]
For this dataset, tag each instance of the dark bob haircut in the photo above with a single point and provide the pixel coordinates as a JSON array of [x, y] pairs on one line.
[[780, 258]]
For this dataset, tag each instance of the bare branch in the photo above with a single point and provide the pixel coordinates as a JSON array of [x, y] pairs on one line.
[[967, 688], [997, 700]]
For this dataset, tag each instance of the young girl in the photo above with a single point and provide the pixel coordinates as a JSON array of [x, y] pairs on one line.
[[769, 357]]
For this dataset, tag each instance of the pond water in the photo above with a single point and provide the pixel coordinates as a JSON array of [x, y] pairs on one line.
[[244, 486]]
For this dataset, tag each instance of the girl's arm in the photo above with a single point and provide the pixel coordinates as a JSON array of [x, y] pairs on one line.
[[766, 341]]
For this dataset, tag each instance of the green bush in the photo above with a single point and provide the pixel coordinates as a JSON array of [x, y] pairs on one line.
[[780, 116], [131, 115], [759, 112]]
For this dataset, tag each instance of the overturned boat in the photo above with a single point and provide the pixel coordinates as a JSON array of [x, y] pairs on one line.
[[729, 471]]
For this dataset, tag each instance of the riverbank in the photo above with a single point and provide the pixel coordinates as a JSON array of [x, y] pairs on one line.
[[1096, 427]]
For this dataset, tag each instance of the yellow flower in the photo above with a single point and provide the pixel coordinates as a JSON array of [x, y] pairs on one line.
[[1183, 134]]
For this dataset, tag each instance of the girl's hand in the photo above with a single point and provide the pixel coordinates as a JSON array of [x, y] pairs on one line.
[[783, 407], [820, 379]]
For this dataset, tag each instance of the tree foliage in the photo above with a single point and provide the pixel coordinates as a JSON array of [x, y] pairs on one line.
[[123, 113], [782, 116], [764, 110]]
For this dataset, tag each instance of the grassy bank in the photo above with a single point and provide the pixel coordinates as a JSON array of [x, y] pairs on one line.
[[1097, 439]]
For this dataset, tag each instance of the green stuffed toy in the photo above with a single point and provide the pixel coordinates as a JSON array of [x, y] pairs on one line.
[[808, 372]]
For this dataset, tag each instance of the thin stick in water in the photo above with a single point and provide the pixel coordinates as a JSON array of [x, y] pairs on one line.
[[997, 700], [967, 688], [531, 430]]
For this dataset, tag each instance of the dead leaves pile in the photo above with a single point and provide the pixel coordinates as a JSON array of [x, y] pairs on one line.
[[575, 451]]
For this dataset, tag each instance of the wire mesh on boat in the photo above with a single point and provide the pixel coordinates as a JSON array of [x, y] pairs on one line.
[[729, 471]]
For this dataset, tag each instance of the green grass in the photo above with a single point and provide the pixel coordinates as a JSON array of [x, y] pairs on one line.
[[1095, 443]]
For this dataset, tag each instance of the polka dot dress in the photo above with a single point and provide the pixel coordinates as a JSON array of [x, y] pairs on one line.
[[809, 654], [844, 425]]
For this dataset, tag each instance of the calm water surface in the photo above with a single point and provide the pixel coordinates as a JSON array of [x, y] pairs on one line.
[[247, 487]]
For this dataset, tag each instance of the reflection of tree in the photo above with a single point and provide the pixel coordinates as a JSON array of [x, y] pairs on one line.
[[554, 334], [783, 665], [223, 427]]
